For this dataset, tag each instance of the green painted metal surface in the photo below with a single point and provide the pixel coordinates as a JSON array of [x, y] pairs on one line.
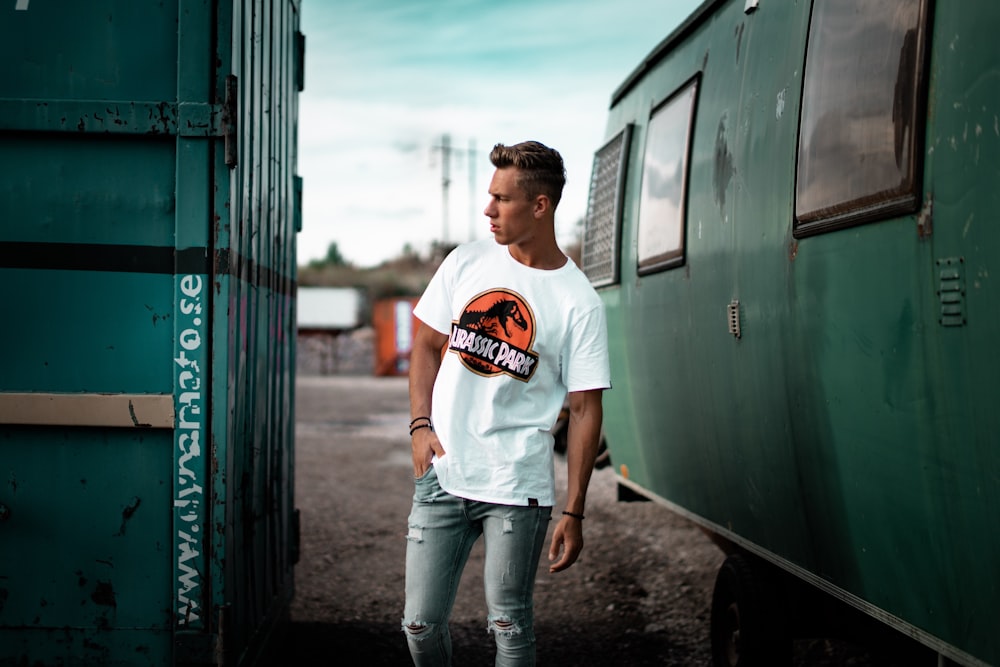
[[849, 434], [148, 210]]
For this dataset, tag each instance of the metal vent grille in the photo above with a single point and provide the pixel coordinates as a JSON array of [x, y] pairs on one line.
[[951, 291], [602, 226]]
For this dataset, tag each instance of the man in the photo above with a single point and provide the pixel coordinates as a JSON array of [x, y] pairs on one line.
[[507, 327]]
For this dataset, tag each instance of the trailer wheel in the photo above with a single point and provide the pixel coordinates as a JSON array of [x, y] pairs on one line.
[[746, 627]]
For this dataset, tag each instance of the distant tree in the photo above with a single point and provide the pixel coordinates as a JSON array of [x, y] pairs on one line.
[[333, 256], [573, 246]]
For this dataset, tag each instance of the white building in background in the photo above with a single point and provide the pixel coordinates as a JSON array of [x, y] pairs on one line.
[[334, 333], [329, 308]]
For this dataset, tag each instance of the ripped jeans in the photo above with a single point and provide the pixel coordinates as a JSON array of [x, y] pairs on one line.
[[442, 530]]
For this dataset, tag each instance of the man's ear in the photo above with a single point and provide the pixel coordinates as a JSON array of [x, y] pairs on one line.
[[542, 206]]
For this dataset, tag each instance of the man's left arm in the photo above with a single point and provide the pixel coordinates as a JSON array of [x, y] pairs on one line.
[[583, 439]]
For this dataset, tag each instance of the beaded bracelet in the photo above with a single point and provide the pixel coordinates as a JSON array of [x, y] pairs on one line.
[[574, 515]]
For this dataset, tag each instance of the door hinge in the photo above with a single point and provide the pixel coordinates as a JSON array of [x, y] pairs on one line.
[[733, 314], [229, 120]]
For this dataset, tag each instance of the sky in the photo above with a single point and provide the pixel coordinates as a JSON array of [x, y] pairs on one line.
[[390, 83]]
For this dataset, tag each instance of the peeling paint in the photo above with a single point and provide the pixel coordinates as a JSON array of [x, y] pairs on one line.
[[723, 173], [128, 511], [104, 594], [967, 225]]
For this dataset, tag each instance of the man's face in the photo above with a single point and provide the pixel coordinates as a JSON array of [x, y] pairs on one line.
[[511, 213]]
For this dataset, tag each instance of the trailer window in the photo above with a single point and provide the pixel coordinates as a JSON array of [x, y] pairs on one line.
[[860, 138], [664, 179], [602, 225]]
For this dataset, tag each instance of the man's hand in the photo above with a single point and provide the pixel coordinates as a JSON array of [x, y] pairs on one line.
[[425, 445], [585, 415], [567, 543], [425, 360]]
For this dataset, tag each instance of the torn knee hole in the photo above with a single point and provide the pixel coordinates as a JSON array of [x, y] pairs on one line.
[[416, 628], [504, 627]]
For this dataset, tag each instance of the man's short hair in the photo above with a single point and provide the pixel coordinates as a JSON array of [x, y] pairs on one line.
[[541, 167]]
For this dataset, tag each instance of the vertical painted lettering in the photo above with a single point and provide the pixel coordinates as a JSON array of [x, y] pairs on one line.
[[189, 462]]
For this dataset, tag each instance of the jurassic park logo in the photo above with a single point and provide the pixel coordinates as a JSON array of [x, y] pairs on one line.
[[495, 334]]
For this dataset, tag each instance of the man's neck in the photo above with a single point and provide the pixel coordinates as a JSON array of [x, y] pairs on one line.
[[546, 258]]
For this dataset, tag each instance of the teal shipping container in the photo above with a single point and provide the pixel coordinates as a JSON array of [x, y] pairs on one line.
[[148, 215]]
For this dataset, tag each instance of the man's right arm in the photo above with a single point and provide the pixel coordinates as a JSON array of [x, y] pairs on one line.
[[425, 361]]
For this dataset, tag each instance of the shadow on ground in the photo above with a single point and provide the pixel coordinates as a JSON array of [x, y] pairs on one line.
[[369, 644]]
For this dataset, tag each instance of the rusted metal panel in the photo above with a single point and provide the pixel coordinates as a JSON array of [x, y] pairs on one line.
[[112, 410], [188, 119], [146, 403]]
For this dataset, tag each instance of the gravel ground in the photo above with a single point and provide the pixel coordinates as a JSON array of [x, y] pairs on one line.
[[639, 595]]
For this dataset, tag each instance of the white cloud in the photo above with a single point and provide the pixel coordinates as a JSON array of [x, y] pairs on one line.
[[382, 92]]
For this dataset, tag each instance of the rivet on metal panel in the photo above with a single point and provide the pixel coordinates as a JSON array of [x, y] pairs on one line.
[[733, 310]]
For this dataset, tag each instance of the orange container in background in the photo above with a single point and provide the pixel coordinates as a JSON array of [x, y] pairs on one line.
[[394, 330]]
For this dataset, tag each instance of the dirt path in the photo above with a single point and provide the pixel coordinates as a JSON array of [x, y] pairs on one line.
[[639, 595]]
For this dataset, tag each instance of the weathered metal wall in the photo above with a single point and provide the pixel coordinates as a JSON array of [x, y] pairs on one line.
[[849, 433], [148, 210]]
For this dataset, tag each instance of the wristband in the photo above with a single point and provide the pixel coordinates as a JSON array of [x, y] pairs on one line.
[[420, 426], [416, 419], [574, 515]]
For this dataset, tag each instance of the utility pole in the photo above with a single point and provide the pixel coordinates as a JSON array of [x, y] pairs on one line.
[[445, 183], [446, 150], [472, 190]]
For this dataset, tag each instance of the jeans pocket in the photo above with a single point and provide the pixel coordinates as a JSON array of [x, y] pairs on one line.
[[426, 486]]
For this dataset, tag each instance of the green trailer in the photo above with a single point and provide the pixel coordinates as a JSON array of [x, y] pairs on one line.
[[148, 215], [793, 226]]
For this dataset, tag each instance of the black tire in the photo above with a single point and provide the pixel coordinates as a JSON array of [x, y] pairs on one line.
[[747, 628]]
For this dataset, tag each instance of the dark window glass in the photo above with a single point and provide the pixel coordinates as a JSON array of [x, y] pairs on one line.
[[664, 181], [860, 138]]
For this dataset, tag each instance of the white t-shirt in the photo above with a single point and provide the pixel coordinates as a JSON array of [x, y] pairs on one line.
[[519, 339]]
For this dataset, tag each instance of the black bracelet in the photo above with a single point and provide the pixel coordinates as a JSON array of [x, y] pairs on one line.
[[416, 419], [420, 426], [574, 515]]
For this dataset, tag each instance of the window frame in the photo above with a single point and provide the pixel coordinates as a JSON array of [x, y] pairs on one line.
[[868, 207], [677, 256], [590, 231]]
